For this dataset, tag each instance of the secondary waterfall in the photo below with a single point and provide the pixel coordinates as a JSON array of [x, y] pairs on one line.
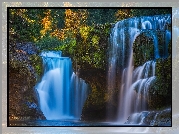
[[61, 92], [135, 82]]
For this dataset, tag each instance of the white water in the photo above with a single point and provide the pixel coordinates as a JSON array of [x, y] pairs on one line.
[[133, 95], [61, 92], [152, 118]]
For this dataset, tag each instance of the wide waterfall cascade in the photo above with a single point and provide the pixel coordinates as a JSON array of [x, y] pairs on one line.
[[61, 92], [134, 83]]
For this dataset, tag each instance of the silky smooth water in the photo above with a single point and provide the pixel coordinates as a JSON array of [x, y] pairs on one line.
[[61, 92], [135, 83]]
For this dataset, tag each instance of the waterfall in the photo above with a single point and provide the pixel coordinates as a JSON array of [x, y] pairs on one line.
[[145, 76], [134, 82], [150, 118], [61, 92]]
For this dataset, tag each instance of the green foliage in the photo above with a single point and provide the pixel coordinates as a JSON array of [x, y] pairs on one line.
[[68, 47], [91, 50], [143, 50], [150, 12], [88, 48], [24, 25], [161, 91], [48, 43], [58, 18], [163, 73], [36, 62], [101, 16], [122, 14]]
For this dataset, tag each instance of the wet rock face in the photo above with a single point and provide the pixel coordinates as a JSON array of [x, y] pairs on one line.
[[95, 106], [23, 102], [161, 118], [151, 118]]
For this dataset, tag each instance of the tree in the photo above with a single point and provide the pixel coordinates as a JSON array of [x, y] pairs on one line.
[[24, 24]]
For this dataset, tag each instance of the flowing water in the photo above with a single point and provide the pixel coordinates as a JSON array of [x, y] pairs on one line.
[[152, 118], [135, 83], [61, 92]]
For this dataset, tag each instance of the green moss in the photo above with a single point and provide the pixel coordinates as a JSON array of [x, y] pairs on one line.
[[95, 105], [143, 49], [161, 91], [163, 74], [48, 43], [37, 63]]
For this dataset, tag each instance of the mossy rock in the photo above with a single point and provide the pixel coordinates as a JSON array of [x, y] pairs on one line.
[[95, 105], [20, 91], [22, 79], [143, 49], [161, 91]]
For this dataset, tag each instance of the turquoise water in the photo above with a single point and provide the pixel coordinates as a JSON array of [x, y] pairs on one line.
[[62, 123]]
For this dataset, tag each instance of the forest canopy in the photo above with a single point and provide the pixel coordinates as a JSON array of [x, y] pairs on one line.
[[81, 33], [30, 24]]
